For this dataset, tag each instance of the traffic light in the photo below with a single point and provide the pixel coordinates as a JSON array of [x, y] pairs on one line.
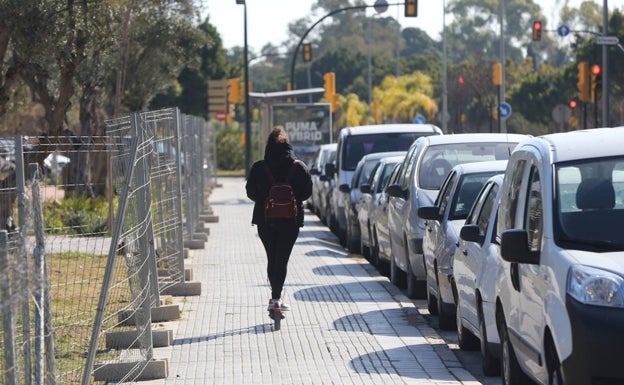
[[497, 74], [234, 91], [537, 30], [307, 52], [330, 90], [411, 8], [596, 83], [573, 105], [583, 81]]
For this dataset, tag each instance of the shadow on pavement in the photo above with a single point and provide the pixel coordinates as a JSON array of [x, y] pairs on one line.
[[349, 270], [258, 329], [363, 291]]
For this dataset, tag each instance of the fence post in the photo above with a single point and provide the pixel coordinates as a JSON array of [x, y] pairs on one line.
[[8, 318]]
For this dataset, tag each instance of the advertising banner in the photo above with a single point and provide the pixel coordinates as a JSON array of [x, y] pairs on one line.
[[308, 126]]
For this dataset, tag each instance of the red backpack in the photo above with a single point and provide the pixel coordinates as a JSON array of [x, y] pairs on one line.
[[281, 202]]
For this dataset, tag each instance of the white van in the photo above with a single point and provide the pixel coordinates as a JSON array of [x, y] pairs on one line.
[[560, 281], [354, 143]]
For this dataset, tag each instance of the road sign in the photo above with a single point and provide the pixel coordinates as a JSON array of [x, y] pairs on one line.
[[563, 30], [217, 96], [607, 40], [504, 110], [221, 115], [381, 6], [561, 113], [419, 119]]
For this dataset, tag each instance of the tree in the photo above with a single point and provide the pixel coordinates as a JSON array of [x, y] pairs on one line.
[[401, 99]]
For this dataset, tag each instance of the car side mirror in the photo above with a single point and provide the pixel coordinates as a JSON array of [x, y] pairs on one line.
[[395, 190], [429, 212], [365, 188], [515, 247], [470, 233], [345, 188], [330, 170]]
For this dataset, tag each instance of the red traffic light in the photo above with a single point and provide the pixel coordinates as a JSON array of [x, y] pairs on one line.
[[596, 69], [537, 30], [573, 104], [460, 80]]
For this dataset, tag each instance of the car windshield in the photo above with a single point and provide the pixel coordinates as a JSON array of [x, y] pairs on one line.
[[438, 160], [356, 146], [589, 201]]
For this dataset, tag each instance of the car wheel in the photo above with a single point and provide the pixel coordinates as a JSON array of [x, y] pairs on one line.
[[365, 249], [553, 364], [374, 249], [489, 362], [511, 372], [352, 243], [432, 301], [446, 321], [465, 339], [397, 276]]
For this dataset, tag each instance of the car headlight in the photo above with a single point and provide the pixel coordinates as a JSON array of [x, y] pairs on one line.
[[597, 287]]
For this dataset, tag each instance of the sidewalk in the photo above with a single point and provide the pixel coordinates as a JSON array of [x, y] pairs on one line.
[[348, 324]]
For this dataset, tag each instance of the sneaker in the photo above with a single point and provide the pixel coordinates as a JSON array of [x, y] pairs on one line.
[[283, 306]]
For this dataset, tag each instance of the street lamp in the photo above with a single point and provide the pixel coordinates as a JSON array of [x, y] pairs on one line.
[[247, 107]]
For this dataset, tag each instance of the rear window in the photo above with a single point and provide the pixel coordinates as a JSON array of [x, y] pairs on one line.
[[438, 160], [356, 146]]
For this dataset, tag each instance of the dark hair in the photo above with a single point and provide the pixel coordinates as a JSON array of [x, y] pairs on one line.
[[278, 135]]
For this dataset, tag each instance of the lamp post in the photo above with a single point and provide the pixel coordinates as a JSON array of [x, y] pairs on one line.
[[294, 58], [247, 106]]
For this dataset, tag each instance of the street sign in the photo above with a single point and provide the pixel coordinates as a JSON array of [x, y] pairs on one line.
[[561, 113], [221, 115], [563, 30], [504, 110], [419, 119], [217, 96], [381, 6], [607, 40]]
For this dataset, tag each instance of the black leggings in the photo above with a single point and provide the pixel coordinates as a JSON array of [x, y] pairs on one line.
[[278, 239]]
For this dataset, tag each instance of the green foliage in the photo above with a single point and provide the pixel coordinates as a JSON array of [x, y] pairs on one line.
[[76, 216], [230, 148]]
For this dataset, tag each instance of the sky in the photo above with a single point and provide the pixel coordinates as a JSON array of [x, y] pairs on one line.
[[267, 20]]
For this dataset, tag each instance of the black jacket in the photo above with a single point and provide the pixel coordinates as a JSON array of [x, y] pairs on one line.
[[279, 157]]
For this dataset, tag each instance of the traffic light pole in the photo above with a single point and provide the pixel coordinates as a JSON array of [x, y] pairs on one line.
[[294, 58], [247, 106]]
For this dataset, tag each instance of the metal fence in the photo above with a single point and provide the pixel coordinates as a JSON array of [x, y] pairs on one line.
[[79, 292]]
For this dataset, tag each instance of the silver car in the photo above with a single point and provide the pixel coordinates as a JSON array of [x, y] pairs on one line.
[[475, 266], [443, 222], [369, 199], [426, 164], [352, 195]]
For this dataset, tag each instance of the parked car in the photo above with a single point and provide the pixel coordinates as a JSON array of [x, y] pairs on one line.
[[380, 236], [352, 195], [354, 143], [443, 221], [475, 266], [369, 200], [560, 283], [326, 189], [426, 164], [317, 169]]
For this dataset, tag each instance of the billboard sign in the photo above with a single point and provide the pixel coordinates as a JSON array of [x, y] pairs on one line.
[[308, 126]]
